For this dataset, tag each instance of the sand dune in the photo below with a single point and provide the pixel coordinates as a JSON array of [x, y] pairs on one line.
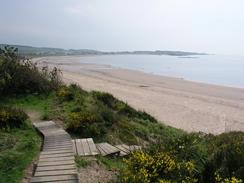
[[183, 104]]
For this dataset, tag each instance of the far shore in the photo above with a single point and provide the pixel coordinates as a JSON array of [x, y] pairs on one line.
[[182, 104]]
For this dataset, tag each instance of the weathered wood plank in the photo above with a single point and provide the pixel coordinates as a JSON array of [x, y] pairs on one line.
[[102, 152], [85, 147], [92, 146], [74, 146], [56, 155], [134, 147], [56, 152], [57, 149], [107, 149], [126, 147], [123, 151], [55, 172], [55, 167], [54, 178], [80, 150], [65, 162], [56, 159]]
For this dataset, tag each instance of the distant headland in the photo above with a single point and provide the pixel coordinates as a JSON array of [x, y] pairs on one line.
[[46, 51]]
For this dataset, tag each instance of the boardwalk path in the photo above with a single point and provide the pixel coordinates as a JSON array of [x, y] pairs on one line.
[[56, 161]]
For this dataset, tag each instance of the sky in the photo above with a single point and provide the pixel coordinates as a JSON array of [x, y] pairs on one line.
[[212, 26]]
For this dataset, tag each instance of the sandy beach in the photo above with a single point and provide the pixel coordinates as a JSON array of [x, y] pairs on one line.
[[182, 104]]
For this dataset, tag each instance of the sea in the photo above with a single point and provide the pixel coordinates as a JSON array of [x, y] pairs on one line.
[[211, 69]]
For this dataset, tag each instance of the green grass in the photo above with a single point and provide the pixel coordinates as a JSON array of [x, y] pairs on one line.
[[82, 162], [18, 147], [113, 164], [39, 103]]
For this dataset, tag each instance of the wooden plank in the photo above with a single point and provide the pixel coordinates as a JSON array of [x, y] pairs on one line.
[[55, 172], [126, 147], [122, 148], [54, 178], [58, 146], [42, 124], [107, 149], [57, 159], [102, 152], [56, 155], [56, 152], [134, 147], [85, 147], [92, 146], [74, 146], [55, 167], [80, 150], [69, 181], [58, 149], [123, 151], [67, 162]]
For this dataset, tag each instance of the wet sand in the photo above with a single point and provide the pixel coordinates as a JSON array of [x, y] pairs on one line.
[[182, 104]]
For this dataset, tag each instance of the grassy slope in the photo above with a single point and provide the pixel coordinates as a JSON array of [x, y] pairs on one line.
[[18, 147], [122, 125]]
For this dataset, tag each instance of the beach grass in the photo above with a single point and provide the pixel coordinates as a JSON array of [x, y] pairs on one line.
[[18, 148]]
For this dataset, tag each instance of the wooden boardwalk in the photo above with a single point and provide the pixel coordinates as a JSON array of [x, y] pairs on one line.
[[86, 147], [56, 161]]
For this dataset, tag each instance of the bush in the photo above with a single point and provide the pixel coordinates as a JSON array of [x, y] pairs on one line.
[[227, 158], [160, 167], [11, 117], [64, 94], [122, 108], [21, 76]]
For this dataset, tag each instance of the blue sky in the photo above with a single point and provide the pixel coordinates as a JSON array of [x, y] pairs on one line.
[[214, 26]]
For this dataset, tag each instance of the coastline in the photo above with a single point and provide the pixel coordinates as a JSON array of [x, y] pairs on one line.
[[188, 105]]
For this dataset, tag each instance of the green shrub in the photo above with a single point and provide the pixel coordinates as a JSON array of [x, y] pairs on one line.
[[11, 117], [160, 167], [64, 94], [227, 158], [122, 108], [21, 76], [86, 123]]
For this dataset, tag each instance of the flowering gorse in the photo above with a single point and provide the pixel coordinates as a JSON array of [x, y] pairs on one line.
[[161, 167]]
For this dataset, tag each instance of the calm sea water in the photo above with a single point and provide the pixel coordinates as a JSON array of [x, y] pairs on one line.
[[212, 69]]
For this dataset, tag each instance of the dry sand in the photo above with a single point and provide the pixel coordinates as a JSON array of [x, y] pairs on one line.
[[183, 104]]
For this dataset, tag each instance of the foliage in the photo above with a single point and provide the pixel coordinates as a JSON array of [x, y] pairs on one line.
[[11, 117], [100, 115], [160, 167], [81, 162], [218, 179], [18, 147], [21, 76], [112, 164], [227, 156]]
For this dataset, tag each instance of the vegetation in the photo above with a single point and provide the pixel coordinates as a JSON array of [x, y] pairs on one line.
[[11, 117], [21, 76], [111, 164], [18, 147], [81, 162], [19, 142]]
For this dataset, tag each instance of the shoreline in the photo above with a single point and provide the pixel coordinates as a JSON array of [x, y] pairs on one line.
[[180, 103]]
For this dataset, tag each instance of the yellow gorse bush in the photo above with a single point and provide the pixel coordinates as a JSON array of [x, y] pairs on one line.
[[161, 167], [219, 179]]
